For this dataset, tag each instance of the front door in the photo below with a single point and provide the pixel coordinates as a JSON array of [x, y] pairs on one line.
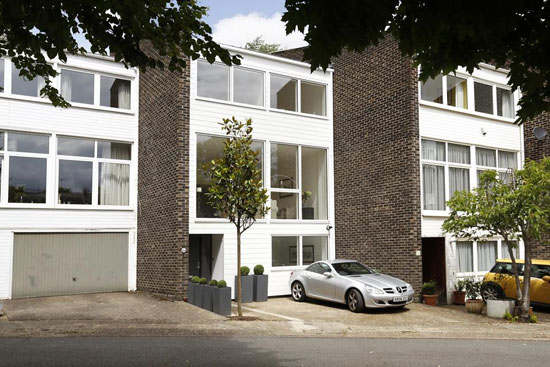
[[433, 264], [200, 255]]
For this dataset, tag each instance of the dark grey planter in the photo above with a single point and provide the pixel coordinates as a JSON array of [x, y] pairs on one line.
[[260, 288], [191, 293], [308, 213], [207, 297], [248, 288], [199, 292], [221, 300]]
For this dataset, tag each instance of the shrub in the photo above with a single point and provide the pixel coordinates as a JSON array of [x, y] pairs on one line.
[[195, 279], [202, 281], [472, 287], [245, 270], [429, 288], [213, 283], [533, 319], [460, 286], [222, 284], [258, 269]]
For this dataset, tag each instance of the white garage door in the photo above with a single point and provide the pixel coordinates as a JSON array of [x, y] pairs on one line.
[[47, 264]]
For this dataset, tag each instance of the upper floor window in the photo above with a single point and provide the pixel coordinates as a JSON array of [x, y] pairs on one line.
[[483, 97], [212, 80], [115, 92], [505, 103], [283, 93], [457, 92], [312, 98], [77, 86], [432, 90], [1, 75], [22, 86], [248, 86]]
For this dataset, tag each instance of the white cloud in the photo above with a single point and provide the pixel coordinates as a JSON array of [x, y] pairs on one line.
[[240, 29]]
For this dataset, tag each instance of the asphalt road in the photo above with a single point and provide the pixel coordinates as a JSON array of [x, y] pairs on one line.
[[229, 351]]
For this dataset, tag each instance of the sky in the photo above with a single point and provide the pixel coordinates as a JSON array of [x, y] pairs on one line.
[[236, 22]]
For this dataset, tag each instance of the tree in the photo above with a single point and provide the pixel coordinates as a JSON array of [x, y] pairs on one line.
[[258, 44], [515, 210], [237, 190], [31, 31], [438, 35]]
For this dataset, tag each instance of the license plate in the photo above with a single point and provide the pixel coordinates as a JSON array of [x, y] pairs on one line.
[[401, 299]]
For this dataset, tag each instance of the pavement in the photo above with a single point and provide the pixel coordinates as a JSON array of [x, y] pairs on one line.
[[141, 314], [268, 351]]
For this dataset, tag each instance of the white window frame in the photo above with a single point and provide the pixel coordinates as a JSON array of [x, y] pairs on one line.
[[299, 250]]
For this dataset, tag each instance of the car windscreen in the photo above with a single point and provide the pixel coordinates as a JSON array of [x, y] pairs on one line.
[[351, 268]]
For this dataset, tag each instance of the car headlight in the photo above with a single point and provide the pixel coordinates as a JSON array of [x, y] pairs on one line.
[[373, 290], [409, 287]]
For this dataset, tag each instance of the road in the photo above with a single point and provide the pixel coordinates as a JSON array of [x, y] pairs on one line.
[[269, 351]]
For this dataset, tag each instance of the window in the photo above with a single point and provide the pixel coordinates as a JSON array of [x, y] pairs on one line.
[[313, 99], [299, 250], [504, 253], [283, 91], [115, 92], [22, 86], [459, 180], [77, 87], [1, 75], [486, 255], [433, 150], [75, 182], [433, 187], [211, 148], [284, 175], [316, 268], [459, 153], [486, 157], [465, 255], [212, 80], [432, 90], [457, 92], [27, 173], [248, 86], [483, 97], [114, 183], [507, 160], [505, 103], [314, 183], [75, 147]]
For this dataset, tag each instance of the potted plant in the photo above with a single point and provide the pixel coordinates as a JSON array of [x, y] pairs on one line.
[[429, 290], [191, 291], [260, 284], [459, 294], [308, 212], [221, 299], [473, 303], [199, 292], [499, 307], [207, 295], [247, 284]]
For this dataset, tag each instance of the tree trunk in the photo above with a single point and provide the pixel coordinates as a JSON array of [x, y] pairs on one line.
[[516, 275], [239, 283], [526, 300]]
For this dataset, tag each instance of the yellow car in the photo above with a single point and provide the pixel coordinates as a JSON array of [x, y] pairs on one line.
[[499, 282]]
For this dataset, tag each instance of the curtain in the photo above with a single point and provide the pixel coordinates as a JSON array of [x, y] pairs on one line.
[[66, 87], [459, 180], [486, 157], [124, 95], [465, 255], [507, 160], [506, 102], [114, 184], [504, 249], [433, 150], [486, 255], [434, 187], [40, 83], [457, 92], [459, 153]]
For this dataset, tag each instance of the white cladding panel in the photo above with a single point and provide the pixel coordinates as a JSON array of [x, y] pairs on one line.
[[281, 127]]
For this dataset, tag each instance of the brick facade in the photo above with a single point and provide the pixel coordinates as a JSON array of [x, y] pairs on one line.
[[163, 199], [376, 160]]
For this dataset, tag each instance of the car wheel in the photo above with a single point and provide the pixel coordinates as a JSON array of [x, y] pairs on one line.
[[490, 292], [355, 301], [298, 292]]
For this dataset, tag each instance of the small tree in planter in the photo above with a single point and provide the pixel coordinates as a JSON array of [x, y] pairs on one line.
[[221, 299], [459, 293], [237, 190], [247, 283], [260, 284], [429, 290], [199, 292], [192, 289], [473, 303]]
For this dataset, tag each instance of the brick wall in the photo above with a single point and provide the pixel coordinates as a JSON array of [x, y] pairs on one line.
[[535, 150], [376, 160], [163, 198]]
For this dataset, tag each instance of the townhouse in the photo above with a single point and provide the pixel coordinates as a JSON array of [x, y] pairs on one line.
[[68, 180], [179, 233]]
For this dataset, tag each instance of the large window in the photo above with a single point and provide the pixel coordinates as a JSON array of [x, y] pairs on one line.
[[212, 80], [478, 257], [284, 181], [503, 162], [115, 92], [22, 86], [298, 250], [314, 183], [283, 92], [77, 86], [28, 164], [248, 86]]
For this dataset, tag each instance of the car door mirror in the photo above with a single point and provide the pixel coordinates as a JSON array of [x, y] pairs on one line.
[[546, 278], [328, 274]]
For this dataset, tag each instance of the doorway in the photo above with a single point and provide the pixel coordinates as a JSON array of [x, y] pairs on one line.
[[200, 255], [433, 264]]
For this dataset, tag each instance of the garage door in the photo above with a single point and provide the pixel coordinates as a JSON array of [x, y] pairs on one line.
[[47, 264]]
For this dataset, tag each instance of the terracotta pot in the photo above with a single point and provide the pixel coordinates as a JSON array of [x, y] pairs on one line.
[[474, 305], [458, 297], [430, 299]]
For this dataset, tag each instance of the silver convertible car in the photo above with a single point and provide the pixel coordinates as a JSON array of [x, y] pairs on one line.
[[351, 283]]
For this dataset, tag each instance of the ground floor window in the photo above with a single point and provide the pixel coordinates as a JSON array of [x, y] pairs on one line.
[[298, 250], [481, 256]]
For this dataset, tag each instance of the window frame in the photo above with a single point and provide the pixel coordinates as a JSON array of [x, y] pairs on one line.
[[475, 243], [299, 251]]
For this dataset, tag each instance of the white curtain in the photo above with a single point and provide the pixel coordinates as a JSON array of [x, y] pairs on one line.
[[504, 249], [459, 153], [124, 95], [434, 187], [507, 160], [486, 157], [114, 184], [507, 103], [66, 87], [457, 92], [465, 255], [459, 179], [433, 150], [486, 255], [40, 83]]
